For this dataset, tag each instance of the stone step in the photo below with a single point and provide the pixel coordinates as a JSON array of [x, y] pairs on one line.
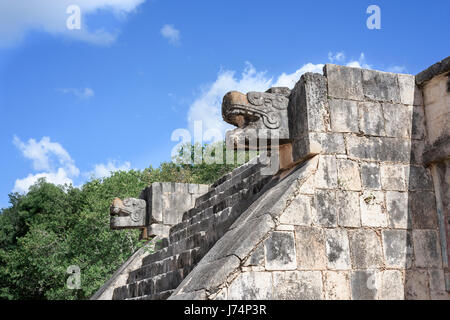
[[193, 228], [178, 233], [188, 241], [204, 220], [204, 197], [193, 241], [221, 195], [190, 213], [236, 171], [179, 261], [150, 280], [161, 244], [237, 175], [234, 186], [157, 296], [121, 293], [209, 221], [178, 226], [241, 177], [162, 282], [154, 285]]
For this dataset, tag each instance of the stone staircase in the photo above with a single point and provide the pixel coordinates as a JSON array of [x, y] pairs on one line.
[[214, 212]]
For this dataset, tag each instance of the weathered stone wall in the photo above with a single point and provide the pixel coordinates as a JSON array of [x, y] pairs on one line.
[[166, 203], [357, 221], [360, 208], [436, 94], [348, 240], [161, 272], [225, 260], [435, 84], [441, 179], [119, 278]]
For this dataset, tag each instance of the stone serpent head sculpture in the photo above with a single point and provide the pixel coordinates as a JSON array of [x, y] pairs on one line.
[[129, 213], [257, 115]]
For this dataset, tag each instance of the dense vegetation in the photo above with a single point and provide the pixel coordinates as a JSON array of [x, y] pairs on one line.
[[53, 227]]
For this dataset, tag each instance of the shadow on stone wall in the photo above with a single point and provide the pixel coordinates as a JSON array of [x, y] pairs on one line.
[[424, 275]]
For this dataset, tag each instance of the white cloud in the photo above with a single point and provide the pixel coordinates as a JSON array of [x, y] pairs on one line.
[[104, 170], [289, 80], [47, 156], [55, 164], [17, 17], [207, 107], [396, 69], [341, 58], [85, 93], [336, 57], [169, 32], [59, 177], [360, 63]]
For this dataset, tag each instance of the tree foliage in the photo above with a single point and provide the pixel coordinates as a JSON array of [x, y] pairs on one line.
[[52, 227]]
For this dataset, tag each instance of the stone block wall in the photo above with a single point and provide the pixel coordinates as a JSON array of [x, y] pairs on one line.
[[441, 178], [360, 208], [435, 85], [348, 241], [362, 224], [161, 272], [166, 203]]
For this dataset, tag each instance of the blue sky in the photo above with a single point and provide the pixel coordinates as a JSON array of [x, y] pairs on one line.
[[76, 103]]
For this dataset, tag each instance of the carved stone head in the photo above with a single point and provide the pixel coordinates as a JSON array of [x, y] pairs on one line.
[[258, 115], [128, 214]]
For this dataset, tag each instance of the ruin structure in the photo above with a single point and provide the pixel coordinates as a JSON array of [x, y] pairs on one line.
[[358, 208]]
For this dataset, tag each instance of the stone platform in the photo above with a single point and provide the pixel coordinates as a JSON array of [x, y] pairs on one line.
[[359, 207]]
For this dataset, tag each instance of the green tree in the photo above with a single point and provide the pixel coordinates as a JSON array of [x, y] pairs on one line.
[[53, 227]]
